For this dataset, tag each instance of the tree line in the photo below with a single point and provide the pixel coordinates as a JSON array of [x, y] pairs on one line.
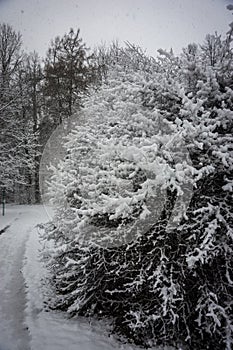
[[35, 97]]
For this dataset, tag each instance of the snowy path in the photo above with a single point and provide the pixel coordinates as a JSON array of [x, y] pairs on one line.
[[24, 322], [21, 221]]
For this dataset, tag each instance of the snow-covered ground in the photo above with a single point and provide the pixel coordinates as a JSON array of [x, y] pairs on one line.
[[24, 322], [16, 226]]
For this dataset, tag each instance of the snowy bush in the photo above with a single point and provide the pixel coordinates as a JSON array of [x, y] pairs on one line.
[[143, 226]]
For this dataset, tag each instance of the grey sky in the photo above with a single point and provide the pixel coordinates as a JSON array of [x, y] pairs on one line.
[[152, 24]]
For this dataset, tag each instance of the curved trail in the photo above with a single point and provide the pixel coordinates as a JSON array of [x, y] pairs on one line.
[[24, 322], [21, 220]]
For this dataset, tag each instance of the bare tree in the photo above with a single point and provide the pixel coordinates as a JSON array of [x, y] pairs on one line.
[[68, 72]]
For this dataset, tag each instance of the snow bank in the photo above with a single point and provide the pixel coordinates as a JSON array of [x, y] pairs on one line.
[[52, 330]]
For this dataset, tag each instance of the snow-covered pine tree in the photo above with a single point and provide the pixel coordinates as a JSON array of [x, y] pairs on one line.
[[157, 285]]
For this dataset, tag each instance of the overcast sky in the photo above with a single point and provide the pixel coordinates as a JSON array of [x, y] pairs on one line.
[[152, 24]]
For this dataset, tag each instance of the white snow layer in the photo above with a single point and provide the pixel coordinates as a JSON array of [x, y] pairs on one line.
[[24, 322]]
